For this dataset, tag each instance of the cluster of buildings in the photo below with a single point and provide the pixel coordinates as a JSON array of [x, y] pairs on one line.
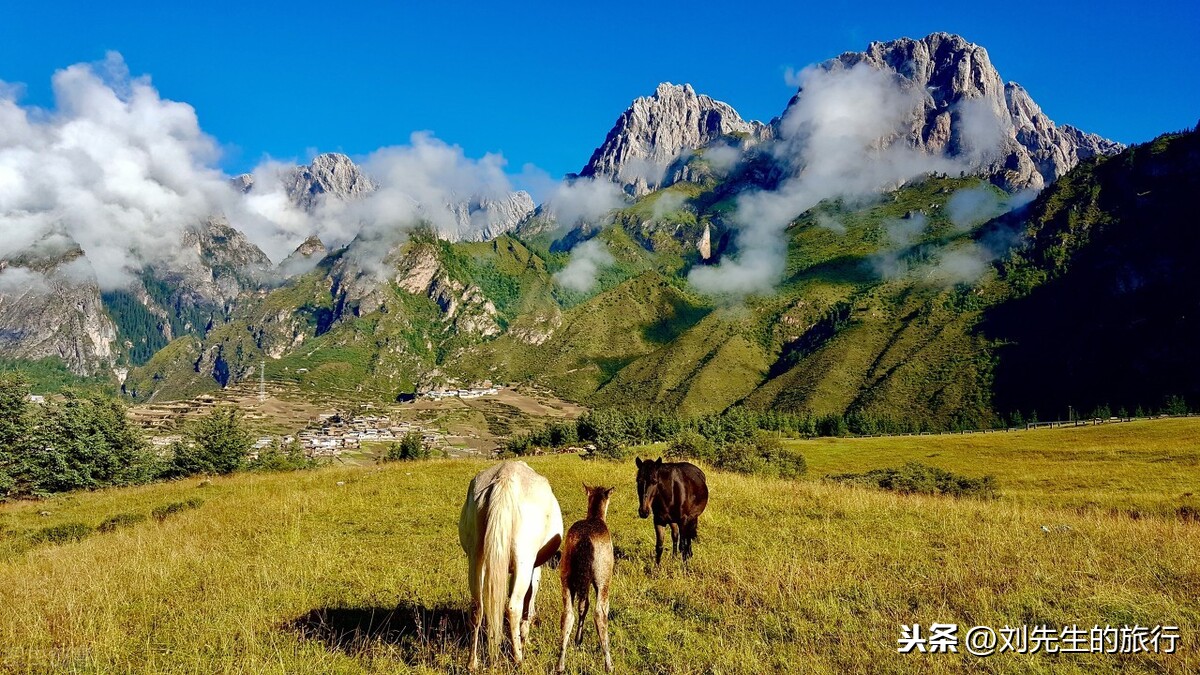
[[459, 393], [333, 433]]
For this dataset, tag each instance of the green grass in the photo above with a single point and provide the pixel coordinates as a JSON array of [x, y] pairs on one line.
[[789, 576], [1141, 468]]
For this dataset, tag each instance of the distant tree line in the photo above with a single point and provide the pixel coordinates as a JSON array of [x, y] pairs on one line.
[[610, 429], [737, 439], [85, 441], [747, 440]]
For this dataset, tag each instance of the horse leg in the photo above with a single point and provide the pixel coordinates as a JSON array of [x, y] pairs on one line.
[[568, 623], [516, 604], [530, 609], [674, 539], [658, 543], [688, 536], [602, 623], [685, 544], [476, 582], [581, 604]]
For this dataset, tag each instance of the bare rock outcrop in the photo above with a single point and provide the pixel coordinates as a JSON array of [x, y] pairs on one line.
[[304, 258], [329, 174], [655, 130], [956, 80], [485, 218], [50, 306]]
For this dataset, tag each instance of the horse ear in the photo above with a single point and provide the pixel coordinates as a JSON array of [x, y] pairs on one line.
[[587, 489], [638, 462], [658, 461]]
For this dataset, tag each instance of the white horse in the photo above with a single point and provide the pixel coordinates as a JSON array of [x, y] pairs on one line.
[[510, 524]]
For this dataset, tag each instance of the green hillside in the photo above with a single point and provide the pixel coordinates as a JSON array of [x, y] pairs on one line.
[[897, 312], [1105, 309]]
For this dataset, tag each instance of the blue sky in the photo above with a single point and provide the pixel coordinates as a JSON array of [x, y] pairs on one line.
[[543, 83]]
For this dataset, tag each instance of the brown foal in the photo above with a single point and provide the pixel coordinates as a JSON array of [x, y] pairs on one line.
[[587, 563]]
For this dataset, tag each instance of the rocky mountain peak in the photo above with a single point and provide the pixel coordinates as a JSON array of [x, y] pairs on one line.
[[311, 246], [330, 173], [952, 73], [655, 130], [243, 183], [304, 258], [215, 263]]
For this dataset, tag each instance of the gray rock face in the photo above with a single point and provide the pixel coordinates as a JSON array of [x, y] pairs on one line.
[[655, 130], [329, 174], [243, 183], [956, 78], [50, 307], [414, 269], [304, 258], [481, 219], [1090, 145], [216, 263]]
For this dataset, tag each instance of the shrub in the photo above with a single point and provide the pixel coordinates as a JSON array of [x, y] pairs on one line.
[[165, 511], [217, 444], [918, 478], [83, 442], [411, 447], [519, 445], [606, 448], [120, 520], [691, 444], [282, 458], [764, 454], [62, 534], [562, 434]]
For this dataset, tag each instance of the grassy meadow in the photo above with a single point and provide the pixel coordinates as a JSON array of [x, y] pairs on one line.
[[358, 569]]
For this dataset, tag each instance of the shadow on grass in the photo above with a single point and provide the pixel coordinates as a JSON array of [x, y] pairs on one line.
[[411, 631]]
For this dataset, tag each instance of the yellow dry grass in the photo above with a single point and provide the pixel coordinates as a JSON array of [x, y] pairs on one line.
[[358, 569]]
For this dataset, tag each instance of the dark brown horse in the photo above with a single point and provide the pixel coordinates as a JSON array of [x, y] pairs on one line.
[[676, 493]]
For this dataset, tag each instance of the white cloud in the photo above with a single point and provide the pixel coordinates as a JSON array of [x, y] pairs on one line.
[[830, 223], [584, 201], [581, 271], [837, 140], [18, 280], [974, 206], [961, 265], [113, 167], [123, 172], [722, 158], [667, 202]]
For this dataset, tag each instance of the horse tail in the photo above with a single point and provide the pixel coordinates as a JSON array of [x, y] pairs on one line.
[[499, 526]]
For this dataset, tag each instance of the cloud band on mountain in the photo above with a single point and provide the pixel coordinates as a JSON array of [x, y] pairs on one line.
[[123, 172], [837, 139]]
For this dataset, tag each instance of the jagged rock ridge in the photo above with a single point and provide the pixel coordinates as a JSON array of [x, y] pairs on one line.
[[655, 130], [304, 258], [330, 173], [950, 72]]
